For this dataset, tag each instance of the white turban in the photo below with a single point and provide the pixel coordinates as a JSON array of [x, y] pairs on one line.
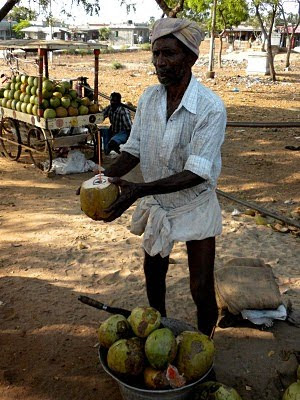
[[188, 32]]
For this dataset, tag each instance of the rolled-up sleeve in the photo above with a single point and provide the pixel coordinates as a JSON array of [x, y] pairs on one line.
[[205, 145]]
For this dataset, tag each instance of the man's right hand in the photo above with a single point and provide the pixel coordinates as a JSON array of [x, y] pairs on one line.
[[129, 193]]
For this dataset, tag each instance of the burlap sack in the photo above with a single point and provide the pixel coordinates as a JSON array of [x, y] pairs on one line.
[[246, 283]]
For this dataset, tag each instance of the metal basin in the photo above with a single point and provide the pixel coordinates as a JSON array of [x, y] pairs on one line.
[[139, 392]]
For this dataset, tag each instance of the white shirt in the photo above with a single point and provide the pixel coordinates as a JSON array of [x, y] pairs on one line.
[[190, 140]]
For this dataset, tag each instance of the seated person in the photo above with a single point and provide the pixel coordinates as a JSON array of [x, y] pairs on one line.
[[119, 130]]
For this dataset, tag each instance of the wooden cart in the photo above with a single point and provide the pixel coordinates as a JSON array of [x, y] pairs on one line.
[[38, 136]]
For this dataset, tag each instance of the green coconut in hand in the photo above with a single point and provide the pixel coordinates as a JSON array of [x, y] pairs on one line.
[[96, 196], [216, 391], [144, 320], [195, 354], [161, 348], [126, 357], [112, 329]]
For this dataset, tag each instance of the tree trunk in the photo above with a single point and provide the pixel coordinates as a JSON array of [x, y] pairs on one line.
[[289, 50], [288, 36], [268, 36], [220, 51], [8, 6], [271, 60], [170, 12], [270, 54], [221, 48], [263, 29]]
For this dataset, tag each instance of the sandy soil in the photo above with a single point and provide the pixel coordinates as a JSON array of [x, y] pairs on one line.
[[51, 252]]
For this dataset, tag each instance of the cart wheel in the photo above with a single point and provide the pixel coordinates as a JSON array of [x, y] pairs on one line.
[[40, 154], [10, 139]]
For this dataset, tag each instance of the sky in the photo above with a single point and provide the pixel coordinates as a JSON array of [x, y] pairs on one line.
[[110, 11]]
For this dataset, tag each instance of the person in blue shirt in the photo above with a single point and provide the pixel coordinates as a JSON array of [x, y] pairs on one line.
[[120, 125]]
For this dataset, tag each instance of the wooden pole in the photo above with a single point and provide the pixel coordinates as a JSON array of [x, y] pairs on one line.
[[41, 54], [96, 81], [46, 64]]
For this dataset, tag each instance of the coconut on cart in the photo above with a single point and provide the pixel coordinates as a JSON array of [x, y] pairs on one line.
[[40, 114]]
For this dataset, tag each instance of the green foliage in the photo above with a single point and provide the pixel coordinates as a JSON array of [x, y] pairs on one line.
[[117, 65], [84, 52], [124, 47], [91, 7], [229, 12], [146, 46], [20, 14], [104, 33], [18, 28]]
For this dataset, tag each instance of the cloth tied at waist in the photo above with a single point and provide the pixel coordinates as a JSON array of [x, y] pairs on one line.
[[158, 225]]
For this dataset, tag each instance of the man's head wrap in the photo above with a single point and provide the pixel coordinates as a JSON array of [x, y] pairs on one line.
[[186, 31]]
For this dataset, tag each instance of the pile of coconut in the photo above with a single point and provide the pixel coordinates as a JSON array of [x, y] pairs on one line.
[[140, 349]]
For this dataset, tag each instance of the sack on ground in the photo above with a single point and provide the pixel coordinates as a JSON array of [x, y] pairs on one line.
[[246, 283]]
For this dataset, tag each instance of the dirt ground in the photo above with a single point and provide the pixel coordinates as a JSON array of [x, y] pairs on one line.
[[50, 252]]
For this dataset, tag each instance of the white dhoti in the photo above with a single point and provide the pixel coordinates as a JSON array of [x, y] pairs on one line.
[[198, 220]]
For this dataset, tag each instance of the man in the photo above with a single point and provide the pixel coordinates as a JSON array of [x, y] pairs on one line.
[[120, 127], [176, 137]]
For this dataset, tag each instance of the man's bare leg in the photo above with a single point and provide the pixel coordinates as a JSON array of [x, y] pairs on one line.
[[155, 269], [201, 256]]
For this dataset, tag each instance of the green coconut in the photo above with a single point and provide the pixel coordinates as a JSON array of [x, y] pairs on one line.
[[96, 197], [216, 391], [292, 392], [155, 378], [83, 110], [112, 329], [65, 101], [126, 357], [194, 355], [49, 113], [48, 85], [73, 93], [161, 348], [85, 101], [144, 320], [54, 102]]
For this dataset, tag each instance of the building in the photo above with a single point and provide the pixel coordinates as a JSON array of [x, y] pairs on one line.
[[283, 40], [242, 33], [47, 33], [129, 33], [6, 31], [85, 33], [123, 34]]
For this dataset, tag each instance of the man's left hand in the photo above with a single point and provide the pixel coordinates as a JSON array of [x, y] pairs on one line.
[[129, 193]]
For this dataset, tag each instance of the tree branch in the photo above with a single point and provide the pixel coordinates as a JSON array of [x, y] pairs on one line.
[[170, 12], [8, 6]]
